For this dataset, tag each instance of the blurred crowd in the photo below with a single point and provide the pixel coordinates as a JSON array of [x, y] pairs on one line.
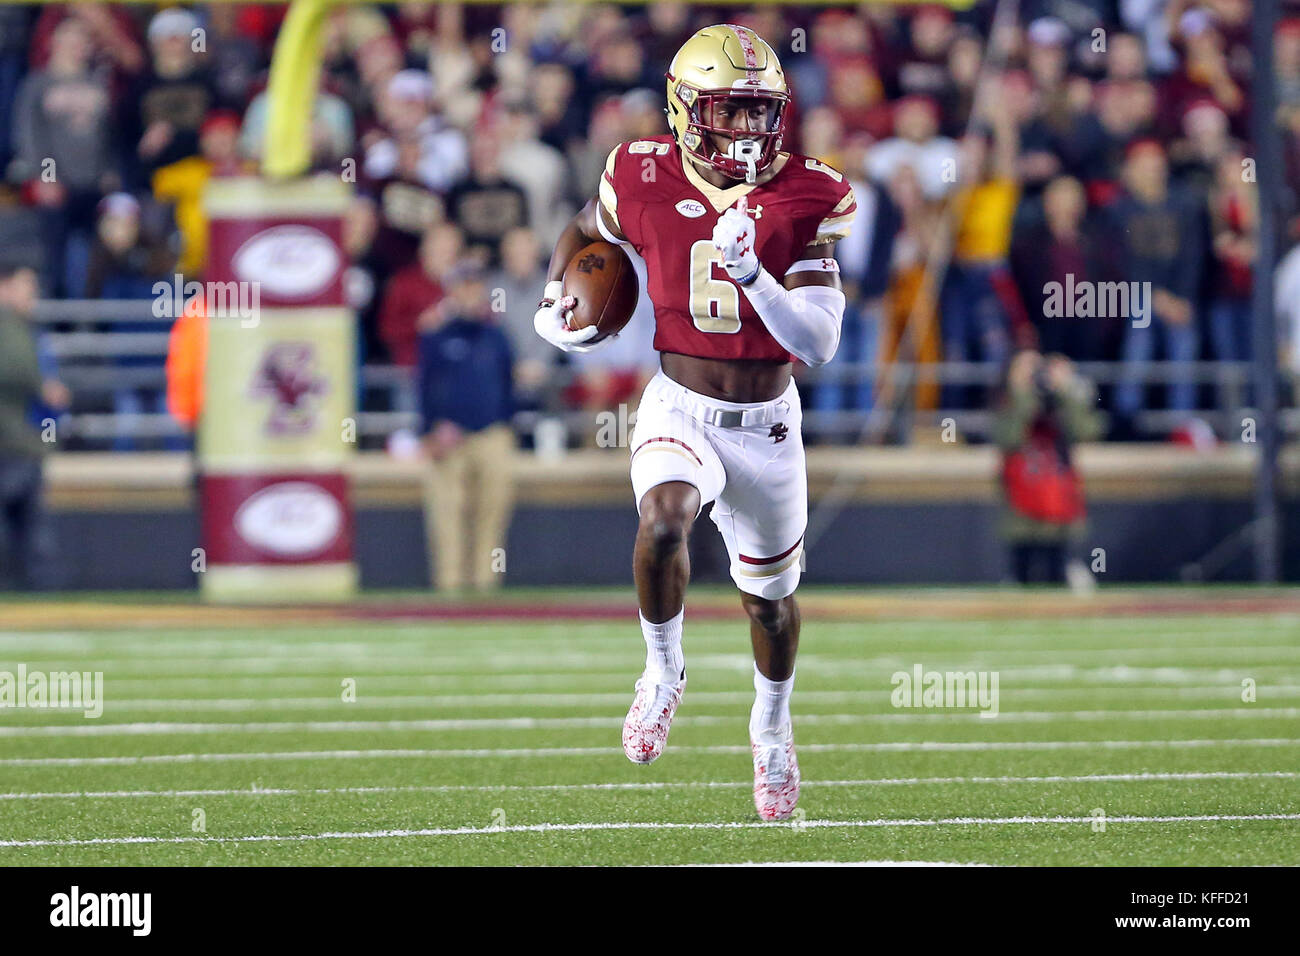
[[1099, 140]]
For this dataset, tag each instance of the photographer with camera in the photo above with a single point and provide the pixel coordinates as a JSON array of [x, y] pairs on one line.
[[1044, 409]]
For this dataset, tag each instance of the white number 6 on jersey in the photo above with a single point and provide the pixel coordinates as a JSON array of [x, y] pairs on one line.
[[715, 303]]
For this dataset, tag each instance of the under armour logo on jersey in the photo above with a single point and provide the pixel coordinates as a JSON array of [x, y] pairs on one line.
[[778, 432]]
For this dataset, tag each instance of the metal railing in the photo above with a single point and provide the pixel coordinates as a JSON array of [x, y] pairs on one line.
[[95, 362]]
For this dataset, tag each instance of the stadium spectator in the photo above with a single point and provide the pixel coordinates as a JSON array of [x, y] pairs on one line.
[[965, 57], [181, 185], [165, 106], [836, 36], [236, 51], [514, 286], [911, 328], [1126, 58], [1204, 72], [1162, 251], [414, 293], [14, 28], [61, 113], [333, 133], [406, 88], [1194, 158], [1069, 247], [1044, 410], [979, 302], [1094, 150], [617, 65], [362, 77], [1286, 299], [127, 262], [1041, 149], [405, 173], [924, 72], [466, 401], [1234, 222], [560, 117], [1286, 63], [418, 143], [23, 388], [487, 205], [916, 143], [114, 36], [541, 169], [864, 257], [63, 141]]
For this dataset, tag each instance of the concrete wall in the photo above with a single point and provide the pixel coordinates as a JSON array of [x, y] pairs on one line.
[[912, 515]]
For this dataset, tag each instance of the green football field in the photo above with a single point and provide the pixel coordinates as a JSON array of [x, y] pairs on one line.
[[1120, 738]]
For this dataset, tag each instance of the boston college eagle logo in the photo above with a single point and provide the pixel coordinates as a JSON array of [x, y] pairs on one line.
[[288, 376], [591, 261], [778, 432]]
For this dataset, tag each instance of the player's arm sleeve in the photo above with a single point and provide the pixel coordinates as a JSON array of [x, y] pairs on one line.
[[805, 321], [607, 220]]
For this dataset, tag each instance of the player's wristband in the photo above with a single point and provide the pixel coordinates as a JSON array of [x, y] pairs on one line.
[[553, 291], [749, 279]]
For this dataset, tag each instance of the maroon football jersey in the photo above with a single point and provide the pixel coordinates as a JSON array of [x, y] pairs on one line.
[[667, 211]]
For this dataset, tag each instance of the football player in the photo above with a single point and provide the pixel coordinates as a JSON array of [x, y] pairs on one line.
[[737, 238]]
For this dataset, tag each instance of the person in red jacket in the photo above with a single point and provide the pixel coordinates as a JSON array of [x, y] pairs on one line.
[[417, 290]]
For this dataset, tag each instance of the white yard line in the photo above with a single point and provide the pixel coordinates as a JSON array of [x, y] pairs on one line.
[[916, 746], [1011, 633], [655, 785], [638, 825], [1071, 677], [493, 661], [1228, 692], [804, 863], [150, 728]]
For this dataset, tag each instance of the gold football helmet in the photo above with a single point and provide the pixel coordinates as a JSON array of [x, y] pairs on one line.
[[723, 62]]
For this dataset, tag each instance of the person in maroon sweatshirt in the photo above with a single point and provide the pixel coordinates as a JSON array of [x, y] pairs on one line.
[[417, 290]]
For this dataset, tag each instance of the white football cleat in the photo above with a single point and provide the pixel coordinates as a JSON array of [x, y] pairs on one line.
[[645, 729], [776, 775]]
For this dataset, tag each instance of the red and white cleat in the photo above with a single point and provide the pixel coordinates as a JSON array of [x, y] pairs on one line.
[[776, 776], [645, 729]]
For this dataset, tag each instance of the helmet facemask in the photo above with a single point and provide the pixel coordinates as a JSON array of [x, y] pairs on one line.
[[748, 152]]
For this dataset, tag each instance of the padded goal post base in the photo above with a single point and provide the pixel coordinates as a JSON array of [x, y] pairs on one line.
[[278, 424]]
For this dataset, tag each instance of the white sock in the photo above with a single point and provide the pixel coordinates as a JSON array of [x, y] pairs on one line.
[[771, 711], [664, 662]]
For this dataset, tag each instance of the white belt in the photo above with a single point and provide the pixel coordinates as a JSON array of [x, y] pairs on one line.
[[764, 414]]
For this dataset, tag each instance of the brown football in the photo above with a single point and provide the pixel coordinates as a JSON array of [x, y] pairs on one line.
[[600, 276]]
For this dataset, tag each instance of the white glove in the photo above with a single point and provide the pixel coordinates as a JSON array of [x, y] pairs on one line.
[[733, 236], [551, 319]]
